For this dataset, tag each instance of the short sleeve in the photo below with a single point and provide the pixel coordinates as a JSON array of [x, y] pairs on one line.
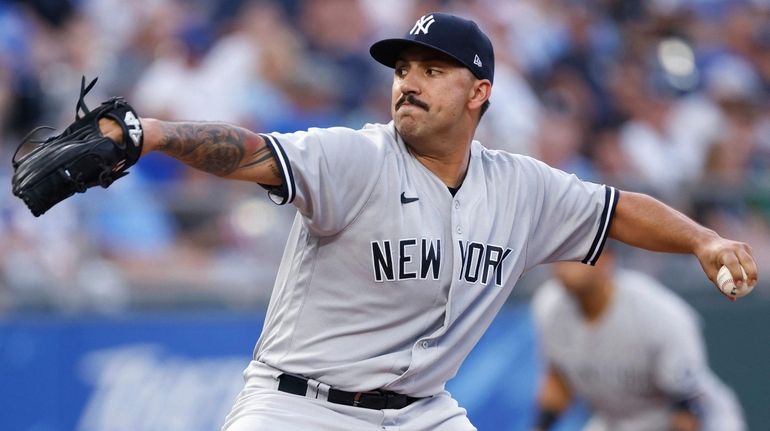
[[571, 218], [328, 174]]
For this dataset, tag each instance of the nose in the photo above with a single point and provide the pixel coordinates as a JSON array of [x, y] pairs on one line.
[[408, 84]]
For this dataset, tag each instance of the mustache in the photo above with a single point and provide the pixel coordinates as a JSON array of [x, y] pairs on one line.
[[413, 101]]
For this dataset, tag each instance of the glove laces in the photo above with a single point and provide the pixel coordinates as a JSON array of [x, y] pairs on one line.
[[79, 107]]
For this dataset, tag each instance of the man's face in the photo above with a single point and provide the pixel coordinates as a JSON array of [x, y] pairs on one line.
[[430, 92]]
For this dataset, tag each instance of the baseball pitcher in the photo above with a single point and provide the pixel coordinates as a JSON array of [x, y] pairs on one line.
[[409, 236]]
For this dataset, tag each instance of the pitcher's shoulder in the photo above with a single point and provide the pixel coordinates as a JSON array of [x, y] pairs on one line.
[[370, 136], [379, 134], [505, 160]]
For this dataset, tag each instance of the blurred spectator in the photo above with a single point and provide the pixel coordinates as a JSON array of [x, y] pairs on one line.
[[338, 32]]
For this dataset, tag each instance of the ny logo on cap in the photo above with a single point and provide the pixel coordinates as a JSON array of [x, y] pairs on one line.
[[422, 25]]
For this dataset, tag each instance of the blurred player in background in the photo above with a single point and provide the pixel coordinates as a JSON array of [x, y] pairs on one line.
[[631, 348]]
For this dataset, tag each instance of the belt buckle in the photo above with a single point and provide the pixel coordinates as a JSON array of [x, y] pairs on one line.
[[358, 395]]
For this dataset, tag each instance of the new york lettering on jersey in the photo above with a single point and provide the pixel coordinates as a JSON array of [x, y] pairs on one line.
[[482, 261], [407, 260]]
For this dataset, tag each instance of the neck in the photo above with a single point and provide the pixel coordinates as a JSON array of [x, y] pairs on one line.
[[594, 303], [445, 156], [450, 168]]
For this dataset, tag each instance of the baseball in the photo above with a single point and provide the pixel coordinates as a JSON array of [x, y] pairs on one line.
[[727, 286]]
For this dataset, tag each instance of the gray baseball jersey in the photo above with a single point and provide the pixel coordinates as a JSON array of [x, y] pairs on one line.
[[645, 352], [388, 280]]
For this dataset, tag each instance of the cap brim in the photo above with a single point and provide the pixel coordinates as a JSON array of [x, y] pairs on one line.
[[387, 51]]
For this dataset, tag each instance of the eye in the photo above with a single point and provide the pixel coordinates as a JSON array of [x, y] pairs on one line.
[[432, 71], [400, 71]]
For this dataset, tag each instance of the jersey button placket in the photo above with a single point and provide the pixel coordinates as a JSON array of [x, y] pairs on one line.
[[459, 228]]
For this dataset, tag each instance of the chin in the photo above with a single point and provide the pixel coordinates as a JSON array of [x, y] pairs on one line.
[[408, 127], [409, 133]]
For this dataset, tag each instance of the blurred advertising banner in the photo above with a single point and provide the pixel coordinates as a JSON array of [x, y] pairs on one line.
[[142, 387], [160, 371], [181, 371]]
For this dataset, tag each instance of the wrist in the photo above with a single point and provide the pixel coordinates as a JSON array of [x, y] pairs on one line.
[[153, 134], [703, 240]]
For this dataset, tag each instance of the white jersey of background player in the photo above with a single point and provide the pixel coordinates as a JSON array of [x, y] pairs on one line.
[[629, 347], [388, 279]]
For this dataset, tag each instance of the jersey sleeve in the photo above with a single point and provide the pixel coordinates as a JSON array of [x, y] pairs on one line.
[[328, 174], [571, 218]]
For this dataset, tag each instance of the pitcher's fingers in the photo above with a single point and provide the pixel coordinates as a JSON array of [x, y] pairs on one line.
[[749, 265]]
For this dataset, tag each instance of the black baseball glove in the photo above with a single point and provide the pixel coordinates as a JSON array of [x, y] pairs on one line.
[[78, 158]]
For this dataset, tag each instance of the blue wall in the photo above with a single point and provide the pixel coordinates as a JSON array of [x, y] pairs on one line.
[[180, 371]]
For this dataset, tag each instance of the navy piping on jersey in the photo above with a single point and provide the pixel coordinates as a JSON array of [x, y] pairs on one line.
[[286, 191], [610, 203]]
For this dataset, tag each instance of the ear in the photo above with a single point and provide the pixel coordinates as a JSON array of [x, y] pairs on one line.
[[479, 93]]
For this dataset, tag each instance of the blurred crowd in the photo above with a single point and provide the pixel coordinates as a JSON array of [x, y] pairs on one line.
[[667, 97]]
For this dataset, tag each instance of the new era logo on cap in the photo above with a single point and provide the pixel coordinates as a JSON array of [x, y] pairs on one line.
[[457, 37]]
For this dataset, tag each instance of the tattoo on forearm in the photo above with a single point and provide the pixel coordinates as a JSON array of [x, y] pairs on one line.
[[212, 147], [260, 157]]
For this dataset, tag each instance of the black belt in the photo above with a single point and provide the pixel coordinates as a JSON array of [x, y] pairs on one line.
[[376, 400]]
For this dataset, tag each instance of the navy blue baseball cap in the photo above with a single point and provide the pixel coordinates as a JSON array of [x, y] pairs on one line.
[[456, 37]]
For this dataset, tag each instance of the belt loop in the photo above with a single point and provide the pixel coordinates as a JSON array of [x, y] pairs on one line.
[[323, 391], [316, 389], [312, 388]]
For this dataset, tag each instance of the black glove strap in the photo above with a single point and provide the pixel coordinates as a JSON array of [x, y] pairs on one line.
[[81, 105], [133, 135]]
